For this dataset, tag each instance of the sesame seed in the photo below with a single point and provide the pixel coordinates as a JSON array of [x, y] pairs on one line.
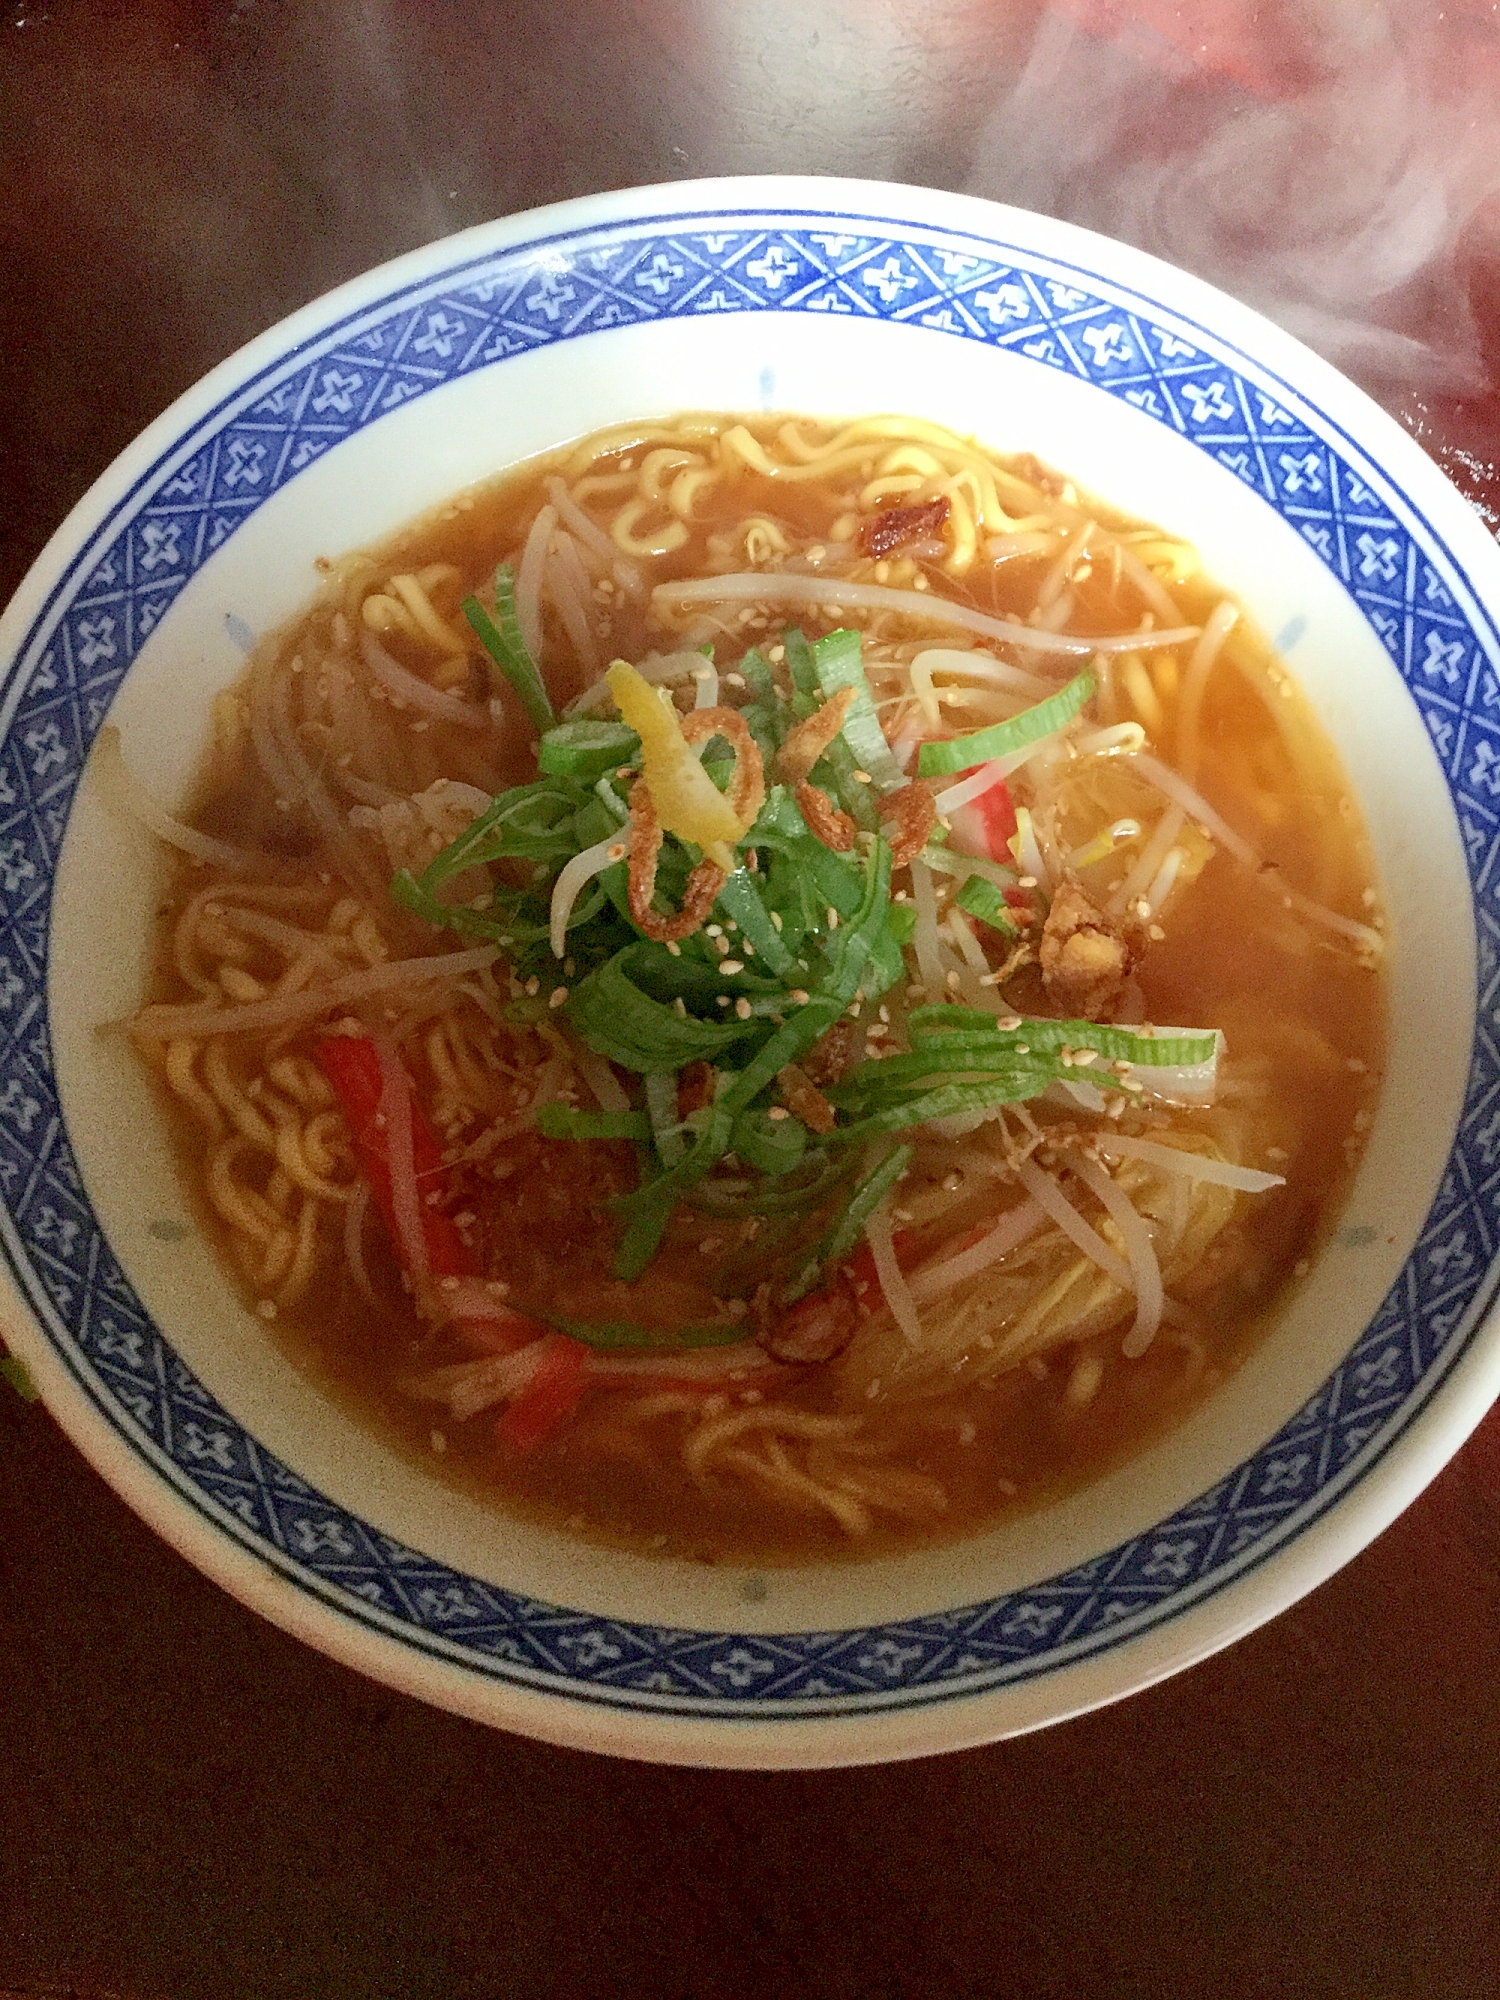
[[679, 1008], [731, 965], [798, 996], [953, 981], [1027, 882], [558, 995], [721, 1000], [863, 778], [832, 916], [674, 947], [776, 923], [1156, 934], [742, 1008], [777, 1113], [872, 1389], [533, 986], [713, 930]]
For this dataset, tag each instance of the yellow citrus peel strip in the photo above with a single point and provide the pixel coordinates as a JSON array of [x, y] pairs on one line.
[[688, 803]]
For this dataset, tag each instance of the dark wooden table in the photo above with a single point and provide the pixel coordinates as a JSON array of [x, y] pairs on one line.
[[192, 1804]]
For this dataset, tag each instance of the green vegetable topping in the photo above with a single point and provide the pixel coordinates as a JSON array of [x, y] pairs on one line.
[[800, 939], [506, 647], [983, 900], [981, 746]]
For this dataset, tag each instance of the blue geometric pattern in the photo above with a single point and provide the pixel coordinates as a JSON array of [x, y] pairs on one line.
[[484, 311]]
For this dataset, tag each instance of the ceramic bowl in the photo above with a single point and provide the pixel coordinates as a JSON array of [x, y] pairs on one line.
[[376, 402]]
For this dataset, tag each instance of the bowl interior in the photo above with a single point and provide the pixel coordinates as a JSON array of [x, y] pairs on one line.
[[1266, 486]]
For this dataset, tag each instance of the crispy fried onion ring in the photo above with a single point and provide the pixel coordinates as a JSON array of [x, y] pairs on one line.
[[746, 794], [909, 816], [747, 788], [796, 757], [703, 885]]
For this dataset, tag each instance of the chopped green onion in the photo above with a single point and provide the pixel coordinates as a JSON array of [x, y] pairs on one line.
[[838, 663], [625, 1025], [560, 1121], [800, 664], [666, 1127], [983, 900], [1021, 1083], [771, 1146], [507, 648], [1180, 1051], [740, 899], [612, 1335], [981, 746], [586, 749], [846, 1231]]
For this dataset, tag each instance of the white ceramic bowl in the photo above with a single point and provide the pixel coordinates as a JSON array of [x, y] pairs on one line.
[[807, 295]]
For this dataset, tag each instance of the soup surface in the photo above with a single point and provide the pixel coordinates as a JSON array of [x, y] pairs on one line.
[[872, 1064]]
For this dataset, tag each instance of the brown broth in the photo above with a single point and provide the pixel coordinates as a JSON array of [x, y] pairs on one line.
[[1232, 956]]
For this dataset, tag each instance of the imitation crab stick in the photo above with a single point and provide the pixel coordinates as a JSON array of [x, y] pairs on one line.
[[403, 1166]]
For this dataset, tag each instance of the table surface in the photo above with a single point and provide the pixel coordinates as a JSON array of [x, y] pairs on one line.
[[193, 1804]]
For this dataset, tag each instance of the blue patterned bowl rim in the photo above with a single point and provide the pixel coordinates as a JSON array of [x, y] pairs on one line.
[[968, 270]]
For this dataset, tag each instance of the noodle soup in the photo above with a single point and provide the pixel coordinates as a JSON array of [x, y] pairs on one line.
[[873, 1062]]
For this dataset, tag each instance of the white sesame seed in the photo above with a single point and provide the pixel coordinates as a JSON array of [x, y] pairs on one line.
[[742, 1008], [558, 995]]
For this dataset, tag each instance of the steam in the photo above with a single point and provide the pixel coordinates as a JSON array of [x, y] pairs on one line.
[[1329, 163]]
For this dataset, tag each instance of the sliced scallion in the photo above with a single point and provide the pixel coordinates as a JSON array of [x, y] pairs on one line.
[[1000, 739], [501, 639]]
